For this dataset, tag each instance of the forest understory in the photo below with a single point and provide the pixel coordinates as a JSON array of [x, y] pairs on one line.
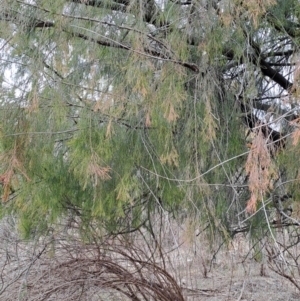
[[179, 264]]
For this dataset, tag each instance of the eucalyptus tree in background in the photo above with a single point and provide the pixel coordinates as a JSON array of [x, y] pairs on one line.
[[114, 110]]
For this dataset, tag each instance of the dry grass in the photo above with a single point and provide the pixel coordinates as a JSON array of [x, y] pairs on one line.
[[177, 266]]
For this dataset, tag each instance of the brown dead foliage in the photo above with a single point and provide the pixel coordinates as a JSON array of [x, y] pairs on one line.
[[259, 168]]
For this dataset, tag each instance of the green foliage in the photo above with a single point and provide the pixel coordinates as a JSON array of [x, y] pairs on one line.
[[114, 110]]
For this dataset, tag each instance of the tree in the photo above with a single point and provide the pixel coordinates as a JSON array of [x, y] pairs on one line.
[[111, 110]]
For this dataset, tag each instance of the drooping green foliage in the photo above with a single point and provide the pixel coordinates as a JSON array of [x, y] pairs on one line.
[[111, 110]]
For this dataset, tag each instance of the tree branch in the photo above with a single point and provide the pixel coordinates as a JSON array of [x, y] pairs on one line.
[[278, 78], [148, 52], [115, 5], [265, 67]]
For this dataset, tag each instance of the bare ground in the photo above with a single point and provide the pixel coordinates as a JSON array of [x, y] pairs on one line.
[[238, 284], [232, 275]]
